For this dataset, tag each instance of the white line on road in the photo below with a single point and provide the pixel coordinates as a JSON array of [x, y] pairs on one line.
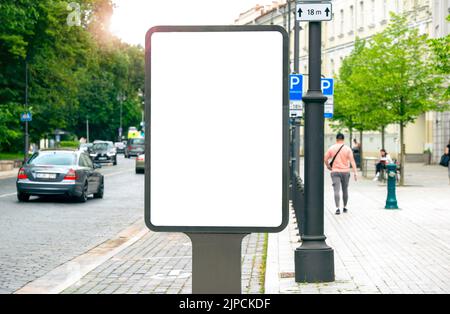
[[116, 173], [6, 195]]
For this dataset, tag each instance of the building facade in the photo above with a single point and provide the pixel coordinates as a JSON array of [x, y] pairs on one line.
[[362, 19]]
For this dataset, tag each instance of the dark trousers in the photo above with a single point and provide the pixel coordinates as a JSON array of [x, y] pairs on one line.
[[380, 166]]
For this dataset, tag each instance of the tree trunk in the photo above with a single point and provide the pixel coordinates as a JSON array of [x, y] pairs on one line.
[[383, 143], [351, 136], [402, 154]]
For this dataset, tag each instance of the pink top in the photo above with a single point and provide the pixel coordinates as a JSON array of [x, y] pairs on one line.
[[343, 159]]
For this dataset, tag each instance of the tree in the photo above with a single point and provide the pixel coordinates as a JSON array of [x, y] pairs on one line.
[[391, 80], [75, 72], [356, 107], [408, 80]]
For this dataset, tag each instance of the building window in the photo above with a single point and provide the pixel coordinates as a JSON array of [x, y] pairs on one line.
[[342, 23], [331, 24], [351, 20], [361, 14], [332, 67], [305, 41]]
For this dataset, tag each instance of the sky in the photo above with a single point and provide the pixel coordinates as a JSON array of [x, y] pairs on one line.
[[132, 18]]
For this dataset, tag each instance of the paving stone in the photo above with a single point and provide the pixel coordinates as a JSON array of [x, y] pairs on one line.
[[161, 263], [378, 250]]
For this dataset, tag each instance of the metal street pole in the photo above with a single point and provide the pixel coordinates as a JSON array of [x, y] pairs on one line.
[[27, 144], [87, 130], [289, 29], [314, 259], [120, 98], [120, 130], [296, 121]]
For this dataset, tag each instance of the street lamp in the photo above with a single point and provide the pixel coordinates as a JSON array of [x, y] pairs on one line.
[[121, 98], [314, 259], [27, 139]]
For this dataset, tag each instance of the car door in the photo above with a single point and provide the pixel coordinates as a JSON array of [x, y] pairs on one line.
[[85, 163], [96, 176]]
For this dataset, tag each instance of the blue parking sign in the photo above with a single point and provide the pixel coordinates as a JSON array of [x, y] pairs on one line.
[[25, 117], [295, 87], [327, 86]]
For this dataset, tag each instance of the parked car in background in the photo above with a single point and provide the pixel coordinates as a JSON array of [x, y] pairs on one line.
[[60, 172], [103, 152], [140, 164], [120, 147], [135, 147]]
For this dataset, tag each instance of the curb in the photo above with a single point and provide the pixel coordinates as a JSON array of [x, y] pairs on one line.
[[272, 284], [72, 271], [9, 174]]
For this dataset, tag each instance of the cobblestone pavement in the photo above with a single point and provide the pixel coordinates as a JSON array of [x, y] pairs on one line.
[[378, 250], [162, 263], [40, 235]]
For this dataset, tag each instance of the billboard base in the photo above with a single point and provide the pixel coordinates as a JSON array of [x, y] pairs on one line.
[[216, 263]]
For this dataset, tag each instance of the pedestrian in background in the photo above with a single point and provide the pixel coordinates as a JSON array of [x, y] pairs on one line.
[[384, 160], [447, 151], [356, 147], [341, 158]]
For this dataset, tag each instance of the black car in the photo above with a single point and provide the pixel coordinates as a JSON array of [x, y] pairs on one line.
[[103, 152], [59, 172]]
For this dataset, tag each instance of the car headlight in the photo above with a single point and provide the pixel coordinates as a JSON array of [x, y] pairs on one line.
[[92, 155]]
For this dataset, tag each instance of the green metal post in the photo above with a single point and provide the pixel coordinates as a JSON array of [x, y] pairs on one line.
[[391, 201]]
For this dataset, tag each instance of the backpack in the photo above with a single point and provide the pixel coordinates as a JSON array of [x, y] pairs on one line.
[[444, 160]]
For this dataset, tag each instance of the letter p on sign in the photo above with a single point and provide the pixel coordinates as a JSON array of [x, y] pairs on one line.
[[295, 80], [327, 86]]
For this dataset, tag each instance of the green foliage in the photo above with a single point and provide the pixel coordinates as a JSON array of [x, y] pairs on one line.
[[441, 55], [409, 81], [69, 144], [387, 80], [11, 156], [10, 128], [75, 72]]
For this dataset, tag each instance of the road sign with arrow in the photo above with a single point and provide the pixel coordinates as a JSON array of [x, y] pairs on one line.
[[318, 11]]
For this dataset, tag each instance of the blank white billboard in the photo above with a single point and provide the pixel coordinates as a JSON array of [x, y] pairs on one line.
[[217, 129]]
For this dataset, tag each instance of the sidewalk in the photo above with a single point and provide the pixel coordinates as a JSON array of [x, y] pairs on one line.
[[162, 263], [9, 173], [378, 250]]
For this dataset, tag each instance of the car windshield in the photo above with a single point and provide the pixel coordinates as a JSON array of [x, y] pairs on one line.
[[53, 159], [100, 146], [137, 141]]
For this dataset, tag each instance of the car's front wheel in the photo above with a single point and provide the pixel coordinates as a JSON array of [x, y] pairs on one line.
[[23, 197]]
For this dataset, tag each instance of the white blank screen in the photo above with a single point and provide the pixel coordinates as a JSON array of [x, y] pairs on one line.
[[216, 129]]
